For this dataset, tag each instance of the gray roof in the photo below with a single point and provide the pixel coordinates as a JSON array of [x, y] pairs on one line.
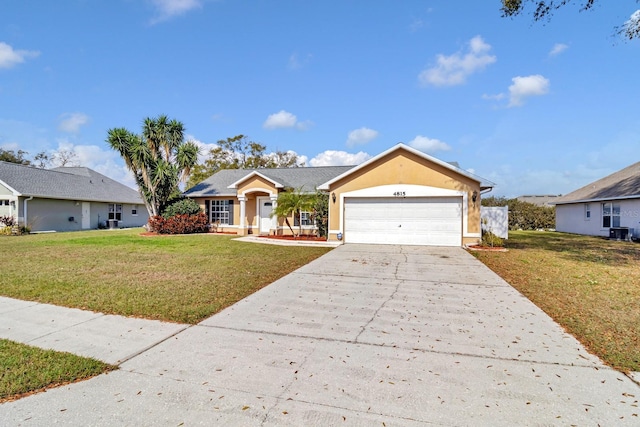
[[624, 184], [77, 183], [306, 178], [540, 199]]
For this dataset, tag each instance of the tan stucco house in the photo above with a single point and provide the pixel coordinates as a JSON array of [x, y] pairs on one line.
[[401, 196]]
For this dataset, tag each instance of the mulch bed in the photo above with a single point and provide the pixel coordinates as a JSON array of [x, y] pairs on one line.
[[304, 238]]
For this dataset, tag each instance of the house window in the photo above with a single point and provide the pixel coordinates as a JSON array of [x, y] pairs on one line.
[[221, 211], [610, 215], [587, 212], [134, 211], [115, 211], [4, 202], [304, 218]]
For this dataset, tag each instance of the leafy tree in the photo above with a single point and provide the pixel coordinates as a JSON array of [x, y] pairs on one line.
[[524, 215], [321, 212], [544, 10], [159, 158], [62, 158], [294, 202], [11, 156], [239, 153]]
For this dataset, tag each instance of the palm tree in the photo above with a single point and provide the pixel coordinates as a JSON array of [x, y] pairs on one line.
[[159, 159], [294, 202]]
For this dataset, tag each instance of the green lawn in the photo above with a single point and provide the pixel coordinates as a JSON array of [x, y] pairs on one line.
[[589, 285], [173, 278], [27, 369]]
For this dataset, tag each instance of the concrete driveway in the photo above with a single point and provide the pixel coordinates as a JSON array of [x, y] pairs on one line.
[[365, 335]]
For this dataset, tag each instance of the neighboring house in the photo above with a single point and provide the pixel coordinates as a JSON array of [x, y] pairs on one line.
[[67, 199], [608, 207], [546, 200], [401, 196]]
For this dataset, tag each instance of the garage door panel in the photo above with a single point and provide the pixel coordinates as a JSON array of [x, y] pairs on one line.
[[423, 221]]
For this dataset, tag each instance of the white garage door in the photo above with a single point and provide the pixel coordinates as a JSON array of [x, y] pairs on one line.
[[435, 221]]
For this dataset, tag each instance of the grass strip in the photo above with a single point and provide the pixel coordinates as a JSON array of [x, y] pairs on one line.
[[25, 369], [589, 285]]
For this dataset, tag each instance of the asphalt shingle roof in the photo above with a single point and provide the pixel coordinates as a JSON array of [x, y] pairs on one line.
[[70, 183], [622, 184], [306, 178]]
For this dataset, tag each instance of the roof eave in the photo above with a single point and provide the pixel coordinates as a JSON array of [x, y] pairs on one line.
[[418, 153], [600, 199], [252, 174]]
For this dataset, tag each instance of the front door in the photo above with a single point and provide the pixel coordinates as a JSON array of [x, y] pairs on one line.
[[86, 215], [266, 206]]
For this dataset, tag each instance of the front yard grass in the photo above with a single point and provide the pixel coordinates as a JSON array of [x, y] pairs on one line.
[[26, 369], [173, 278], [589, 285]]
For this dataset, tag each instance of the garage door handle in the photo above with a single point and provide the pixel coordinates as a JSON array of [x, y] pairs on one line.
[[399, 225]]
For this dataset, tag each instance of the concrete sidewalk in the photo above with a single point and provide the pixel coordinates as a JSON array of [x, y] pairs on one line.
[[365, 335], [112, 339]]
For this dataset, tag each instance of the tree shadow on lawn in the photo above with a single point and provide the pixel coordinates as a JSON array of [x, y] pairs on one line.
[[576, 247]]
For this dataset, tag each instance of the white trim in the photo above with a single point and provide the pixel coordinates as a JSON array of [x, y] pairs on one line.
[[13, 190], [256, 190], [410, 191], [252, 174], [604, 199], [481, 181]]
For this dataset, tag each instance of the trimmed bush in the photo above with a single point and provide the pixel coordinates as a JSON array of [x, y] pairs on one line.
[[180, 224], [182, 207]]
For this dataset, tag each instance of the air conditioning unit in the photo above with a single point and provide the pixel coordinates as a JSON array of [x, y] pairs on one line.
[[620, 233]]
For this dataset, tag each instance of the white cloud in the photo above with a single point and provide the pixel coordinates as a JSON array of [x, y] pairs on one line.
[[10, 57], [281, 119], [167, 9], [558, 48], [71, 122], [204, 147], [454, 69], [361, 136], [428, 145], [339, 158], [524, 87], [284, 119], [296, 62]]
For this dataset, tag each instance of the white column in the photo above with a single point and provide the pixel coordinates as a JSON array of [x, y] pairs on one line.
[[243, 205], [274, 219]]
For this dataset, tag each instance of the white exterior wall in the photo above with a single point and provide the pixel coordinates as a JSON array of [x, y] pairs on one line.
[[571, 218], [496, 220], [66, 215]]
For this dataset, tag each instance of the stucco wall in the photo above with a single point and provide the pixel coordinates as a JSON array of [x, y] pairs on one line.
[[570, 218], [66, 215], [403, 167]]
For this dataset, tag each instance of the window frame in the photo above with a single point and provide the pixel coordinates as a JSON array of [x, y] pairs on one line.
[[587, 211], [611, 214], [220, 211], [114, 211]]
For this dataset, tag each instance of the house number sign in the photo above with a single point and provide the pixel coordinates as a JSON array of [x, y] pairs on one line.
[[399, 194]]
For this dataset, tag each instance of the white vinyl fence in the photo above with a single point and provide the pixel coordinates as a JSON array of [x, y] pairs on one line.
[[495, 220]]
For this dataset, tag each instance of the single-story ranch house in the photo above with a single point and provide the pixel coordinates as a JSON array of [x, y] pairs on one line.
[[401, 196], [67, 199], [608, 207]]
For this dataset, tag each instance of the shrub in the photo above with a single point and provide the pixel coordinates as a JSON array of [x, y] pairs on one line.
[[8, 221], [490, 239], [182, 207], [525, 215], [180, 224]]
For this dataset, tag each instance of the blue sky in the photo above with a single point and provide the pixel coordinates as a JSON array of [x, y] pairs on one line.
[[537, 108]]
